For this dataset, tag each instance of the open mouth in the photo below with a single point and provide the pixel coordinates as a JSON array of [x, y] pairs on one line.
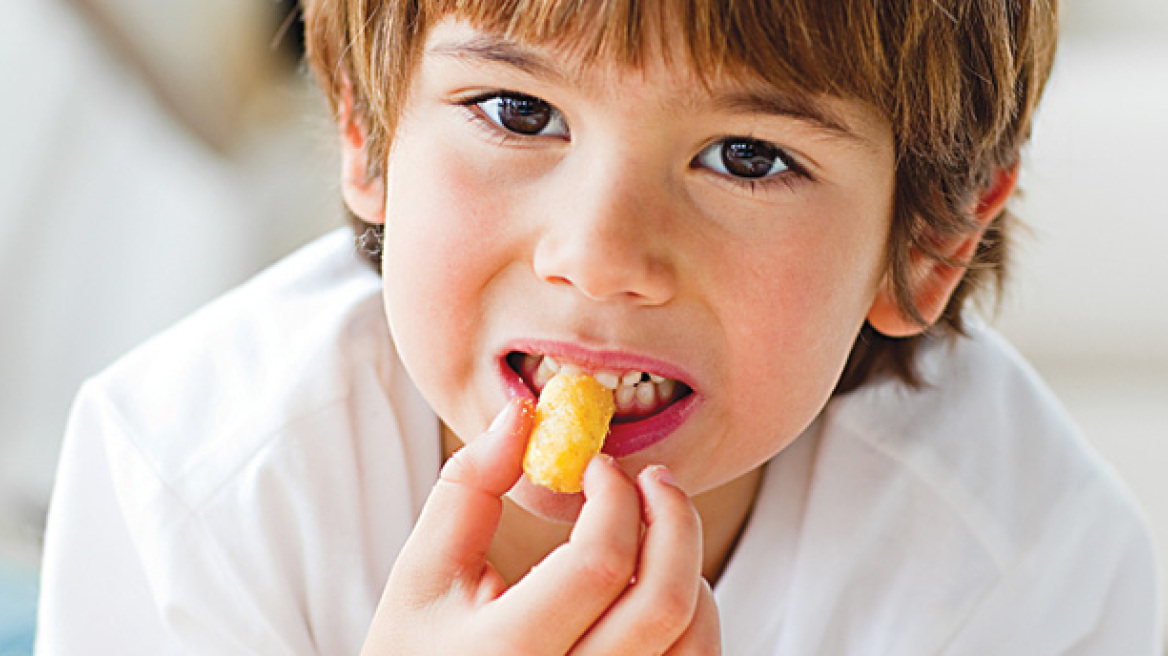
[[637, 395]]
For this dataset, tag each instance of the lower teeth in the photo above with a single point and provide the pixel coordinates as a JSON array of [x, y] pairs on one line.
[[643, 399]]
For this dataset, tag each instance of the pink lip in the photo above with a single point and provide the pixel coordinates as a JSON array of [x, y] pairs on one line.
[[624, 438]]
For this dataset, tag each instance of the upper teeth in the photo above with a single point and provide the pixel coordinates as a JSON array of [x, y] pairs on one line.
[[632, 388], [609, 379]]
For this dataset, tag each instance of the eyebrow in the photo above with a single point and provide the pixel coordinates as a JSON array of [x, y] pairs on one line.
[[501, 51], [767, 101], [774, 102]]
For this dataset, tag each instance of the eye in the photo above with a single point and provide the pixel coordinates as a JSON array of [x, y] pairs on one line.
[[741, 157], [524, 115]]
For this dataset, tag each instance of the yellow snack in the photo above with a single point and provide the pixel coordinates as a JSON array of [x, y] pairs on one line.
[[571, 421]]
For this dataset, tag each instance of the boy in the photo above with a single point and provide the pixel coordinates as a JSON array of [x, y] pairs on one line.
[[763, 218]]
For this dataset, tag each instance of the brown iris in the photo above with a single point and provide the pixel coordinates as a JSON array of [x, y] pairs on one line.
[[524, 114], [748, 158]]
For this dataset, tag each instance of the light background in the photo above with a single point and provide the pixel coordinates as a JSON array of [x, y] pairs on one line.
[[157, 152]]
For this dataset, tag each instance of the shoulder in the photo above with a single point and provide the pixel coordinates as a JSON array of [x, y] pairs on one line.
[[986, 433], [199, 399], [246, 445], [982, 470], [967, 516]]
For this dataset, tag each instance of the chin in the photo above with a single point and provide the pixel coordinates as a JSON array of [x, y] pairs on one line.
[[545, 504]]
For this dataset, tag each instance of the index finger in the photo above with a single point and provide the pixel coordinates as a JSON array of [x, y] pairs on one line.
[[458, 522], [578, 581]]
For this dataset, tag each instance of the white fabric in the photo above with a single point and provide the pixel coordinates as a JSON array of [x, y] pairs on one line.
[[242, 483]]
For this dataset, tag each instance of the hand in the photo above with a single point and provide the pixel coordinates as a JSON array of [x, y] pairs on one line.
[[627, 581]]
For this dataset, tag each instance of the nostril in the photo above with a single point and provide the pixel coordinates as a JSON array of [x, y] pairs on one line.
[[607, 274], [605, 263], [557, 280]]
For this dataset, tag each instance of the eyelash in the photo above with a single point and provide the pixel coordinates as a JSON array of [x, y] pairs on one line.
[[478, 117], [791, 177]]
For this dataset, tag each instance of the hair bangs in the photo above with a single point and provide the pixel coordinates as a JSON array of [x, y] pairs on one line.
[[804, 45]]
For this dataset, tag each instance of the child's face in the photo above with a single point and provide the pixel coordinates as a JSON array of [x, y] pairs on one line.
[[631, 220]]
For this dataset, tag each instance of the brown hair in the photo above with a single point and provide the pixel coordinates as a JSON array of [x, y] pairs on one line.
[[957, 79]]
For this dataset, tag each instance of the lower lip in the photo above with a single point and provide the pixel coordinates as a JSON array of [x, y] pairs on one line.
[[625, 438]]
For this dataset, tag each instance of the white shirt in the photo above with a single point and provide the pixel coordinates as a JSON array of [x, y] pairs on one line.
[[242, 484]]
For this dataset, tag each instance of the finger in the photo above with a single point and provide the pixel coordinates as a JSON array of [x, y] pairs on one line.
[[571, 588], [703, 636], [458, 522], [652, 614]]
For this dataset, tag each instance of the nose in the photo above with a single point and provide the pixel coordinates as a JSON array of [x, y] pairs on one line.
[[607, 237]]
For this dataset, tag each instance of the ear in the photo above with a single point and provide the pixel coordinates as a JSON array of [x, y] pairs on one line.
[[364, 195], [934, 280]]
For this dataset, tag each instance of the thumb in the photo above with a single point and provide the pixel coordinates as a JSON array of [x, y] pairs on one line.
[[458, 522]]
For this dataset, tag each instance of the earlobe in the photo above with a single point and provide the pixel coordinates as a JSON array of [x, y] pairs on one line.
[[363, 194], [934, 280]]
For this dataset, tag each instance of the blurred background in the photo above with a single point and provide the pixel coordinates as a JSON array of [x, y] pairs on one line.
[[154, 153]]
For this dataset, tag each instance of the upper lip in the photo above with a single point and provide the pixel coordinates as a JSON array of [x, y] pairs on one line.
[[599, 359]]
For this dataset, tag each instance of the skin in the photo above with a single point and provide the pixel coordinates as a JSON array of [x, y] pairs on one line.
[[614, 233]]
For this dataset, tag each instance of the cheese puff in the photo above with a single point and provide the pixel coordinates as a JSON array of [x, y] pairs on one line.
[[571, 422]]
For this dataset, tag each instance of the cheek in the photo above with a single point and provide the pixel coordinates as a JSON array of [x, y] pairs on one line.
[[437, 210], [784, 344], [790, 324], [442, 246]]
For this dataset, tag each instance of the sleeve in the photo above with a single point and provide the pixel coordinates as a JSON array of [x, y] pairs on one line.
[[129, 568], [1130, 623], [94, 595], [1088, 587]]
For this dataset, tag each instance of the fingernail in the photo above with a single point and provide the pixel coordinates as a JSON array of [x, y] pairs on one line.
[[661, 474], [600, 460]]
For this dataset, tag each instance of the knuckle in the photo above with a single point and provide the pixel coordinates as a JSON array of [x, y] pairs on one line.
[[689, 520], [607, 565], [677, 512], [460, 470], [703, 634], [670, 614]]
